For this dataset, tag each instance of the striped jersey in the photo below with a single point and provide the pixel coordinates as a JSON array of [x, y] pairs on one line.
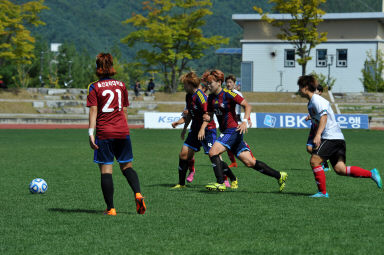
[[197, 106], [224, 107]]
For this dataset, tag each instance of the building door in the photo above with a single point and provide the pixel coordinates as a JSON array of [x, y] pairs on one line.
[[247, 76]]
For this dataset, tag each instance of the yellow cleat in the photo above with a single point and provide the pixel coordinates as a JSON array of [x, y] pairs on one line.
[[178, 186], [216, 187], [235, 184], [111, 212], [282, 180]]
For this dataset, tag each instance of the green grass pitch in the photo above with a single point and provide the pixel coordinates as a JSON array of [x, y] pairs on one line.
[[255, 219]]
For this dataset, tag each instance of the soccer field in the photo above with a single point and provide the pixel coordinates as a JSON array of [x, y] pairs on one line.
[[255, 219]]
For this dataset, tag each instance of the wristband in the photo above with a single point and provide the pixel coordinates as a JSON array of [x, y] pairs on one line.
[[90, 131]]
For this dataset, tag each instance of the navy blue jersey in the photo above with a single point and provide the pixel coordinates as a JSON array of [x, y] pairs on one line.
[[197, 106], [224, 107]]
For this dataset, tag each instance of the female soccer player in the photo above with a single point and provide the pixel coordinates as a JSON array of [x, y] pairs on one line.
[[328, 140], [108, 101], [312, 131], [196, 102], [230, 83], [222, 103]]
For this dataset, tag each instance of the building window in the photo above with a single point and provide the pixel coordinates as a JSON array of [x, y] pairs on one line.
[[341, 58], [289, 58], [321, 58]]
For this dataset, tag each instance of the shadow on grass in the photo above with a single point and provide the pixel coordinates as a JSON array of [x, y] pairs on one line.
[[201, 189], [100, 212]]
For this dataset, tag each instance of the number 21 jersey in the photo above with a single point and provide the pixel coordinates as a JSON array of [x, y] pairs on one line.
[[110, 96]]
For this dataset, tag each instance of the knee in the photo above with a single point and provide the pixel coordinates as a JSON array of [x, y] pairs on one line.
[[314, 163], [340, 170], [309, 149], [212, 154], [249, 163], [183, 155]]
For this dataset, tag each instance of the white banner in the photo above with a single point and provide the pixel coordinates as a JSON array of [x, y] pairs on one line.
[[163, 120]]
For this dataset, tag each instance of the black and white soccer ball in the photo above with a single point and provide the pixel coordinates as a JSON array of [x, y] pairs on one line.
[[38, 186]]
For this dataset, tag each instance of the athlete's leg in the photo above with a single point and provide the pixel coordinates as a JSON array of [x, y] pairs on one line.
[[107, 185], [318, 172], [133, 180], [309, 149], [185, 155], [131, 176], [249, 161], [232, 159], [191, 167], [214, 155], [250, 151]]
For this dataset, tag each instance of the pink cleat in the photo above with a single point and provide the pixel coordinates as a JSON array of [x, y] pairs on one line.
[[226, 182], [190, 176]]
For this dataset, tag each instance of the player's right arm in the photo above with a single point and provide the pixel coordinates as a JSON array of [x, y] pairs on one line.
[[92, 127]]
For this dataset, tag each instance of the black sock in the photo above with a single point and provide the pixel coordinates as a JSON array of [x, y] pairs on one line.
[[183, 167], [217, 168], [132, 179], [107, 188], [265, 169], [227, 171]]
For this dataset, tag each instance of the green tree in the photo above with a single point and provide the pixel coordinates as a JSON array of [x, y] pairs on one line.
[[16, 42], [373, 72], [301, 30], [171, 36]]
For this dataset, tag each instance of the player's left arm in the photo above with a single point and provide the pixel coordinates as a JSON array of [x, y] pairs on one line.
[[92, 127], [320, 129], [247, 117]]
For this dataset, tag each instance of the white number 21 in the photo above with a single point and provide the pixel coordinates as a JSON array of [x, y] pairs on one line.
[[110, 99]]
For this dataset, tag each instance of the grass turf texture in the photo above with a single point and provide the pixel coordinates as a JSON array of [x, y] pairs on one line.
[[255, 219]]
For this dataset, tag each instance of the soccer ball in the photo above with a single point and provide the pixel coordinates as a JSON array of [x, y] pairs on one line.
[[38, 186]]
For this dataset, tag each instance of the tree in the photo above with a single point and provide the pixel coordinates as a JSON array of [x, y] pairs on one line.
[[373, 72], [301, 29], [170, 35], [16, 42]]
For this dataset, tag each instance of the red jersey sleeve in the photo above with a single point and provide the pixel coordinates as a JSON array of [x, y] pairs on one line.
[[236, 97], [91, 95]]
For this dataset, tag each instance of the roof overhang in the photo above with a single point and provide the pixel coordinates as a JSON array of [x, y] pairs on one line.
[[240, 18]]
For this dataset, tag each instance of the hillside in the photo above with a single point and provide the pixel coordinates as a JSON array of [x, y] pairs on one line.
[[96, 25]]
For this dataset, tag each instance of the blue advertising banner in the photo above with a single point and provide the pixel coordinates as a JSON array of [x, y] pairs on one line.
[[297, 120]]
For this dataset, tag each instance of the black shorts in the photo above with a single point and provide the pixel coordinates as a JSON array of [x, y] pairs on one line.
[[334, 150]]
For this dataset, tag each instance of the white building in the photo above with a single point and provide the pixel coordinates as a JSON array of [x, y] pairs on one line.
[[268, 64]]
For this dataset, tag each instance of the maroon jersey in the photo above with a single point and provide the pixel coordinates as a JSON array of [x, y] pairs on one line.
[[197, 106], [110, 96], [224, 107]]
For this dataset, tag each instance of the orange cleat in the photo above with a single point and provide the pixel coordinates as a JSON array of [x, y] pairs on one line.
[[140, 205], [111, 212], [234, 164]]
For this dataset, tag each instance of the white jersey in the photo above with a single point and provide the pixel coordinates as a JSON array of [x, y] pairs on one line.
[[238, 107], [319, 106]]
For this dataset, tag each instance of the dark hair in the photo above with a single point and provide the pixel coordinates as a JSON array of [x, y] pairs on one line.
[[308, 80], [104, 65], [230, 77], [320, 88], [190, 78]]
